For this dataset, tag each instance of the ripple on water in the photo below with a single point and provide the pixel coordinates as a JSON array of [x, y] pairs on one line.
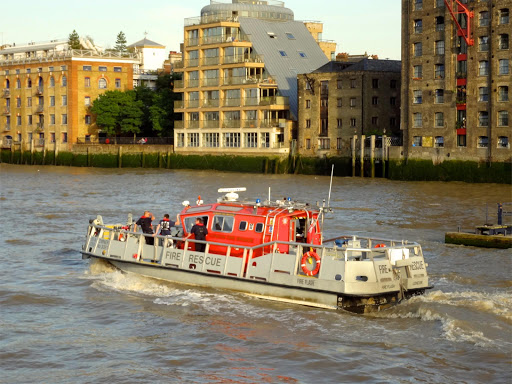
[[9, 298]]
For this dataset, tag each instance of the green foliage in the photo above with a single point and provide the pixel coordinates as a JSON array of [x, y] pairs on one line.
[[79, 160], [74, 40], [132, 161], [38, 158], [118, 112], [104, 160], [120, 43], [151, 160], [65, 158]]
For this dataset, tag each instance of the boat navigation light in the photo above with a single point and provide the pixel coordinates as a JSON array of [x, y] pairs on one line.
[[186, 203], [258, 201]]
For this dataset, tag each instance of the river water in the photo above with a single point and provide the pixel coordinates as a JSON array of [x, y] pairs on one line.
[[68, 320]]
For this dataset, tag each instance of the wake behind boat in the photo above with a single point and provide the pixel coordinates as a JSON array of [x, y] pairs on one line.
[[272, 250]]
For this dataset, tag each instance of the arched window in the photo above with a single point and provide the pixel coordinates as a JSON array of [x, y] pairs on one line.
[[64, 81], [52, 81], [7, 84], [102, 83], [29, 83], [18, 83], [40, 82]]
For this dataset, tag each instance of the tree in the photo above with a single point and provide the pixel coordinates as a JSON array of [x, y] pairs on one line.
[[118, 112], [74, 40], [121, 43]]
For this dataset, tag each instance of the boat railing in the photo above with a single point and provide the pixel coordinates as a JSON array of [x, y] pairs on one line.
[[285, 256]]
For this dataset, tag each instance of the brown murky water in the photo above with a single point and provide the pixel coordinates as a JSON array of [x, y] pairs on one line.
[[64, 320]]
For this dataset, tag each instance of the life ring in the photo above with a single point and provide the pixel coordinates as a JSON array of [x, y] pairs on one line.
[[381, 245], [306, 256]]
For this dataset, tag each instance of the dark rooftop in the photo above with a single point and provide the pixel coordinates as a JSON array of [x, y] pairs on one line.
[[370, 65]]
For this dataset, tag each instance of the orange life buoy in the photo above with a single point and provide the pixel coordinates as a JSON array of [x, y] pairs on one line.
[[303, 263], [381, 245]]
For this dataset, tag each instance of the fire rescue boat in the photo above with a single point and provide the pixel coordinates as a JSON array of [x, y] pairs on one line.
[[271, 249]]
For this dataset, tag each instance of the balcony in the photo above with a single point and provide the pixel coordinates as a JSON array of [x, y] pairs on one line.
[[178, 104], [275, 100], [39, 91], [235, 102], [7, 93], [40, 126], [210, 123], [231, 124], [211, 82], [6, 143], [251, 101], [210, 103], [210, 60], [243, 59], [193, 104], [250, 123], [192, 42], [193, 83], [193, 124], [7, 127], [40, 109], [178, 84], [7, 111], [178, 124], [269, 123], [39, 142]]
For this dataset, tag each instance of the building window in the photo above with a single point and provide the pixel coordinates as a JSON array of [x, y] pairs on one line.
[[440, 21], [417, 71], [339, 103], [483, 142], [353, 122], [352, 101], [64, 81], [339, 143], [504, 16], [308, 143], [439, 47], [29, 101], [64, 119], [375, 120], [483, 94], [180, 138], [392, 100], [87, 101], [461, 140], [290, 36], [392, 121], [503, 118], [18, 120], [503, 67], [439, 142], [483, 43], [283, 53], [418, 5], [308, 85], [29, 120], [483, 118], [232, 140], [308, 123], [18, 102], [353, 83], [302, 54], [439, 119], [64, 100], [52, 137], [418, 49], [418, 26], [375, 100], [102, 83], [324, 143], [439, 96], [52, 82], [439, 71], [308, 103], [417, 121], [88, 119], [102, 69], [393, 84], [339, 122], [483, 19], [375, 83], [503, 93], [339, 84], [251, 140], [503, 41], [18, 83], [29, 83], [118, 69], [193, 140], [118, 83], [211, 140], [265, 140], [87, 68], [64, 137], [416, 141], [52, 119], [502, 142], [29, 70], [483, 68], [324, 103], [87, 82], [52, 101], [418, 96]]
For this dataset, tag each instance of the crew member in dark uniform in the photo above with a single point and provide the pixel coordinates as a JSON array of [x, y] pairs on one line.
[[147, 227], [199, 231], [164, 227]]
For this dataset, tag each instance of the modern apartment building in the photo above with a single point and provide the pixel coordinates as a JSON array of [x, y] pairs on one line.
[[47, 90], [456, 79], [343, 99], [240, 67]]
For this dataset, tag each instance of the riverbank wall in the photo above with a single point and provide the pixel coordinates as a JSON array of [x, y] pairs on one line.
[[162, 156]]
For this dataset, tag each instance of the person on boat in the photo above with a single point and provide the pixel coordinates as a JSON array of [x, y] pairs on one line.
[[145, 222], [164, 227], [199, 231]]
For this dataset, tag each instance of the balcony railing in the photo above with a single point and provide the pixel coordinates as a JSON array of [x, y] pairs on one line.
[[243, 59], [231, 124], [250, 123], [178, 104], [231, 102], [275, 100], [7, 93], [193, 124], [40, 126], [211, 82], [211, 123], [7, 111], [269, 123], [192, 42], [193, 83], [179, 84], [179, 124], [40, 109], [209, 103], [210, 60], [251, 101], [193, 104], [39, 142], [39, 91], [7, 127]]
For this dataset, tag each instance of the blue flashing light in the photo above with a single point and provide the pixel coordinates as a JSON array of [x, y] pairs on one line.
[[289, 199], [258, 201]]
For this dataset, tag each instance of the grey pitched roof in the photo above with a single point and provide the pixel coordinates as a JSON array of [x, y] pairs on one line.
[[370, 65], [284, 68], [35, 47], [146, 42]]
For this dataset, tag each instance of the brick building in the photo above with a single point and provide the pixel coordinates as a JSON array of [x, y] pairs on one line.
[[47, 90], [343, 99], [456, 79]]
